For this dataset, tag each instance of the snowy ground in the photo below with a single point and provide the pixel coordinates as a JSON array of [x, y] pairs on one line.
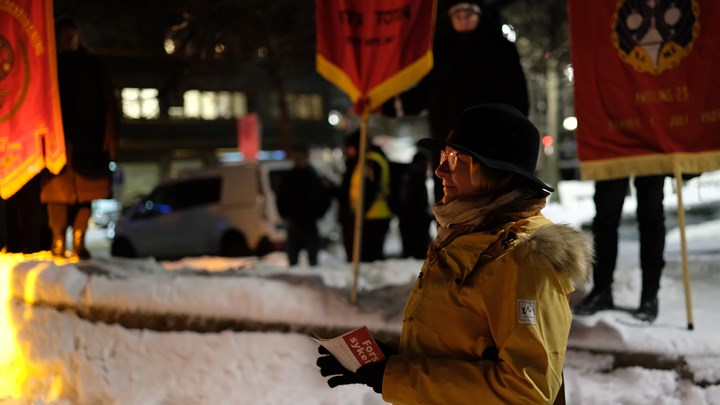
[[63, 359]]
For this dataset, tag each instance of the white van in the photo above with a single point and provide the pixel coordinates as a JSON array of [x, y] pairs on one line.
[[223, 211]]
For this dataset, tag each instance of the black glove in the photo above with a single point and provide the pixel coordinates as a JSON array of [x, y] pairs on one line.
[[370, 375], [330, 366]]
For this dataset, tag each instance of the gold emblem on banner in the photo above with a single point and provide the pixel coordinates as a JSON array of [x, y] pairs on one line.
[[655, 35], [12, 95]]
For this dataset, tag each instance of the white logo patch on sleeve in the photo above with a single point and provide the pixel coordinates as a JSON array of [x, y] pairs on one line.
[[526, 312]]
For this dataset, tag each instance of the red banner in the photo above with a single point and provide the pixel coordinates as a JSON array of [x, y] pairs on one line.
[[248, 130], [374, 49], [31, 135], [647, 81]]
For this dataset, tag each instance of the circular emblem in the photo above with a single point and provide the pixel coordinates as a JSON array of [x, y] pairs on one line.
[[655, 35], [6, 57], [14, 78]]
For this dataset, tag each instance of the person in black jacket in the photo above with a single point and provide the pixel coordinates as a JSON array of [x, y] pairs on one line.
[[302, 199], [415, 216], [473, 64], [609, 199]]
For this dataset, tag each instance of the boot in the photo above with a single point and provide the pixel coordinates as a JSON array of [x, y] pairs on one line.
[[58, 244], [648, 310], [79, 244], [597, 300]]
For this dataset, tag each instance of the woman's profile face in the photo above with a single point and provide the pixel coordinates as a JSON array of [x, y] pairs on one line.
[[454, 170]]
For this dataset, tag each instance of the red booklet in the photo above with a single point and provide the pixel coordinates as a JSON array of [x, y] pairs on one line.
[[353, 349]]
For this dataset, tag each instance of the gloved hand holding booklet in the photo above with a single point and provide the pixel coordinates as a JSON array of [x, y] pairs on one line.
[[353, 349]]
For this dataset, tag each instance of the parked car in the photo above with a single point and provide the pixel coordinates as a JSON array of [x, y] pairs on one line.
[[225, 211]]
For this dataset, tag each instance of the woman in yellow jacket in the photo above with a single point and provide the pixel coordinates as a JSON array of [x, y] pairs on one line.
[[488, 319]]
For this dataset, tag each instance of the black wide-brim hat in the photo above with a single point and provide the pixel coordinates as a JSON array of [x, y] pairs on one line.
[[499, 136]]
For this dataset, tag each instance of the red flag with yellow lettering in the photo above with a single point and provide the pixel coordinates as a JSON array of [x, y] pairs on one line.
[[31, 134], [374, 49], [647, 74]]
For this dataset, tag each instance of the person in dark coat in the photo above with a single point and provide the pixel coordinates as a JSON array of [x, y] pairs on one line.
[[303, 197], [414, 216], [473, 64], [609, 199], [90, 142]]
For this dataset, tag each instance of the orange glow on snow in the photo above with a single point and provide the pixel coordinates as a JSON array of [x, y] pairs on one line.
[[11, 360], [16, 368]]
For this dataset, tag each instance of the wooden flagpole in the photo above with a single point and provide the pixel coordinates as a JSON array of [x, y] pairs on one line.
[[683, 247], [360, 207]]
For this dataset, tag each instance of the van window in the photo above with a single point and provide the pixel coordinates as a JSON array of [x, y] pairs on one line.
[[183, 195], [194, 193]]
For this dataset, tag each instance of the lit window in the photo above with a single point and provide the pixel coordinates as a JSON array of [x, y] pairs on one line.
[[175, 112], [210, 105], [239, 105], [191, 104], [140, 103], [224, 105], [304, 106]]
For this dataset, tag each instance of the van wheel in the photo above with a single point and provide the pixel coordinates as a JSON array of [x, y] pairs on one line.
[[234, 245], [122, 247], [264, 247]]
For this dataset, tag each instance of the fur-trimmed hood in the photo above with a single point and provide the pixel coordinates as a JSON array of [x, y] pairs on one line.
[[568, 249]]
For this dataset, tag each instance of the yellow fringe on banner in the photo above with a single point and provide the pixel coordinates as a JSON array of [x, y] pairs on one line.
[[648, 165]]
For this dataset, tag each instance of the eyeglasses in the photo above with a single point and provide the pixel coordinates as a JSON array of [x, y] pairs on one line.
[[452, 158]]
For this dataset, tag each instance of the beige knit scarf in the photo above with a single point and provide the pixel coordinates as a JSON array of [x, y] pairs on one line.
[[461, 217]]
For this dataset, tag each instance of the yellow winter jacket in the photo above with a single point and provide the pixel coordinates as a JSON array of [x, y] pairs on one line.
[[507, 290]]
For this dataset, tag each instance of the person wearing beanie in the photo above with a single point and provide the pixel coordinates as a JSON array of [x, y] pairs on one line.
[[488, 319], [473, 64]]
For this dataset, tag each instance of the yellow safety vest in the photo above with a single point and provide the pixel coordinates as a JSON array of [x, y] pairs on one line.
[[379, 209]]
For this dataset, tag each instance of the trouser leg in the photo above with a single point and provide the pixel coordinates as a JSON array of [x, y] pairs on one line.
[[80, 225], [609, 198], [312, 245], [405, 237], [58, 221], [373, 239], [348, 235], [293, 245], [651, 226]]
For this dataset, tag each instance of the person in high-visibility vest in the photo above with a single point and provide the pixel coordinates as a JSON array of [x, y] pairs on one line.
[[377, 190]]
